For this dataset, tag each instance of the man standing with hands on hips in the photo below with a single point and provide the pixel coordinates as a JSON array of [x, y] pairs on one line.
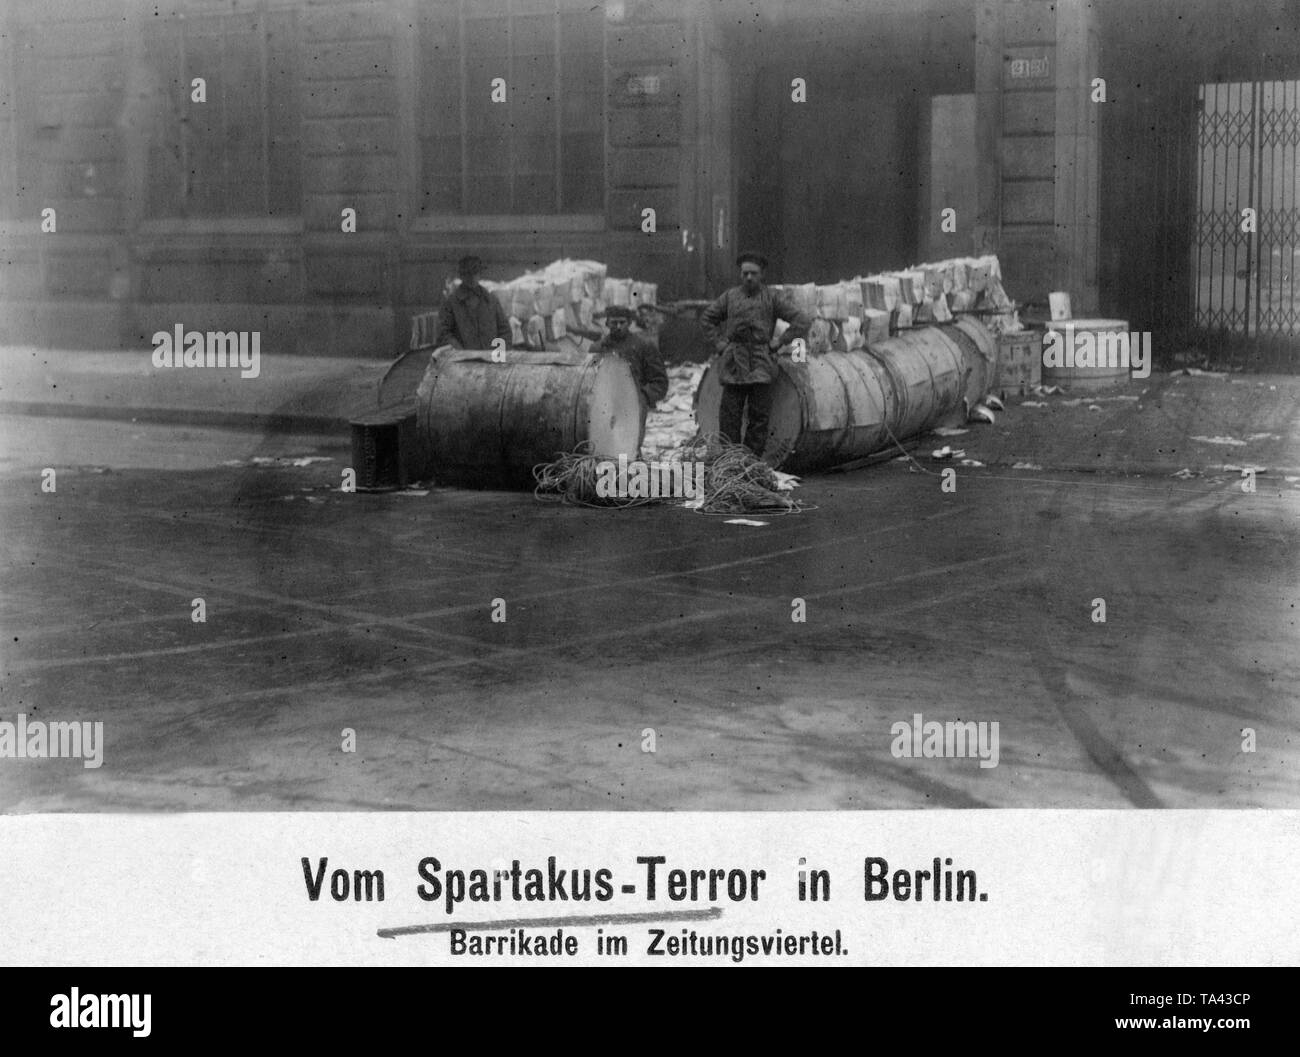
[[740, 324]]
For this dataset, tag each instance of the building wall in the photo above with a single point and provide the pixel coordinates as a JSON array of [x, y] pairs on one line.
[[695, 121], [86, 94]]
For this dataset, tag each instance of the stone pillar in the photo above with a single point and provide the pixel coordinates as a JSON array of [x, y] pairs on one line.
[[650, 131], [1036, 128]]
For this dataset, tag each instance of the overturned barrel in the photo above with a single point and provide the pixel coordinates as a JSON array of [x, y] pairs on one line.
[[841, 406], [484, 421]]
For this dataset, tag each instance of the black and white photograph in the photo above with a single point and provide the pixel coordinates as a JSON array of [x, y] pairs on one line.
[[632, 408]]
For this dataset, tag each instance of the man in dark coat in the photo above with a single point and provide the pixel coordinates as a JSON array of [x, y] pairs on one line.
[[640, 353], [471, 317], [741, 324]]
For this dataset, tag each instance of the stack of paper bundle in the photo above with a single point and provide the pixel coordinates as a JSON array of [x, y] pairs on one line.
[[859, 309], [544, 306]]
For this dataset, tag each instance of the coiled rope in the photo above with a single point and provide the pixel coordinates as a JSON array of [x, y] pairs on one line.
[[735, 480]]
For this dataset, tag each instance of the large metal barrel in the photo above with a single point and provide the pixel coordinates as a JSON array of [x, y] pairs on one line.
[[489, 422], [841, 406], [1097, 342]]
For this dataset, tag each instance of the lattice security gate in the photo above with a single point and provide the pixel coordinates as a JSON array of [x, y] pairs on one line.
[[1245, 263]]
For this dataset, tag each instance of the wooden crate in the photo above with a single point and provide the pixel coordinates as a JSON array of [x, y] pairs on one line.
[[1020, 363]]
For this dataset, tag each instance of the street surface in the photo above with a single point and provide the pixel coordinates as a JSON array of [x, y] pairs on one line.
[[328, 610]]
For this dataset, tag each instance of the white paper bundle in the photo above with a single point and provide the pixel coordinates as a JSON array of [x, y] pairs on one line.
[[617, 292], [819, 337], [875, 325], [521, 301], [853, 299], [835, 301], [805, 297], [933, 283], [960, 278]]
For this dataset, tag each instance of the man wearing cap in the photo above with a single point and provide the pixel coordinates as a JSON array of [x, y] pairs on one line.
[[471, 317], [640, 353], [740, 325]]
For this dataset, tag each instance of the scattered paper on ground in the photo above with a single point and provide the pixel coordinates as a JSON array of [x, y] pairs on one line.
[[744, 521], [672, 424], [1026, 466], [1232, 441], [945, 431], [267, 460], [1092, 400]]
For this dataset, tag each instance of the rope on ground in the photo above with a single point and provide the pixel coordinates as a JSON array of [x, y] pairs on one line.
[[572, 477], [906, 453], [736, 481]]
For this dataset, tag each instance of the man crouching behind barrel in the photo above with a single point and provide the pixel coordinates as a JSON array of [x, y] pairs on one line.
[[640, 354], [740, 325]]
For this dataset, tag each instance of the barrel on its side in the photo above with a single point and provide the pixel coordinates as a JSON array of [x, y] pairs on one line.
[[1098, 342], [841, 406], [488, 422]]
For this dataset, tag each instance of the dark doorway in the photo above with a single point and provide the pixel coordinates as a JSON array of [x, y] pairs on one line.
[[830, 190], [828, 187]]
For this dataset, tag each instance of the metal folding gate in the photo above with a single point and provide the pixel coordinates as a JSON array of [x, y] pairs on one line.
[[1247, 243], [1183, 158]]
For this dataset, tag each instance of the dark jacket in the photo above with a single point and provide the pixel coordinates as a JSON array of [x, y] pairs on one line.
[[471, 317], [642, 355], [740, 327]]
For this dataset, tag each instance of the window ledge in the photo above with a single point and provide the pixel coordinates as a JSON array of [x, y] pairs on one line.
[[522, 222], [223, 226]]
